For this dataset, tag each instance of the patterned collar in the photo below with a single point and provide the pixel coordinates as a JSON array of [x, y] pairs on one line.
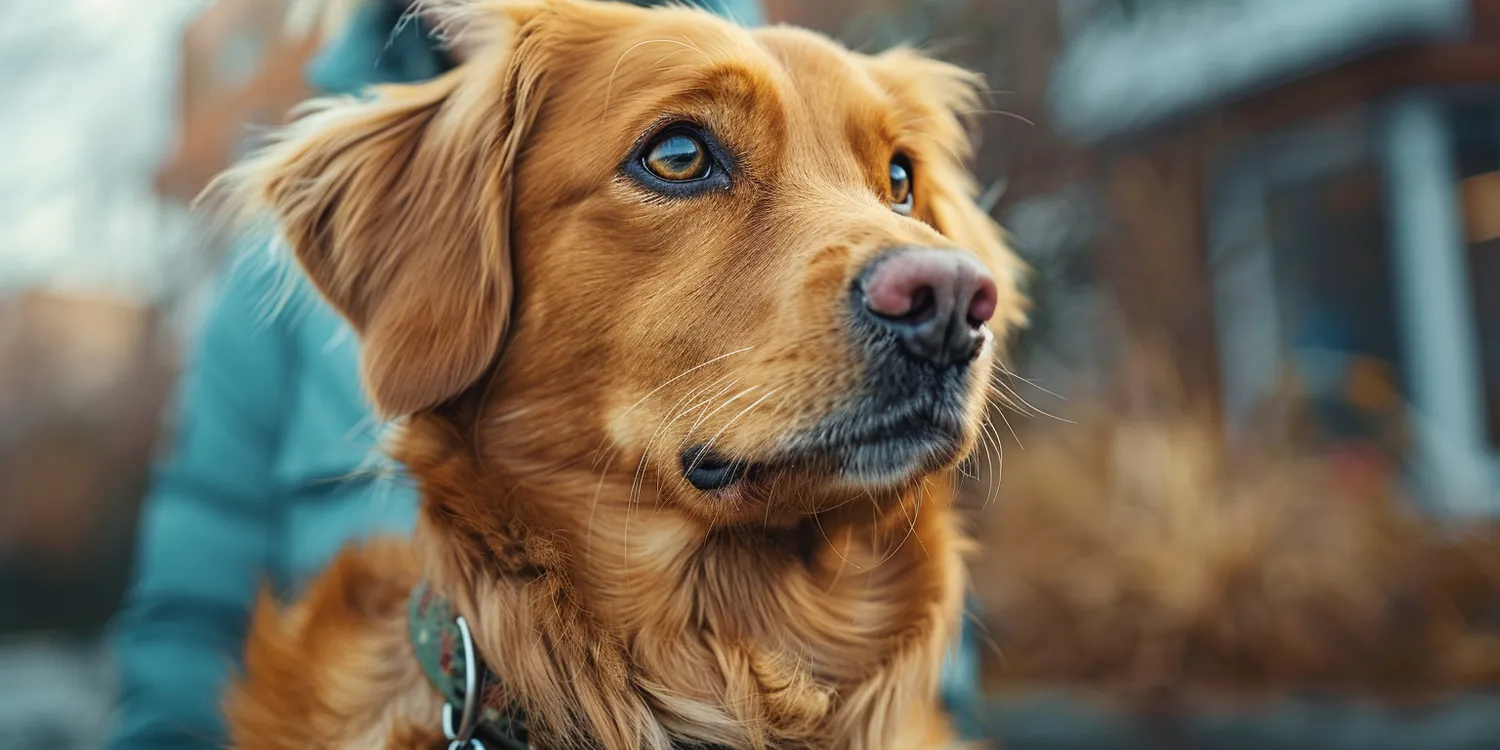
[[445, 649]]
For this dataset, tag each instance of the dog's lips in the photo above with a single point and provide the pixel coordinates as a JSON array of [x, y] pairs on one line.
[[709, 471], [864, 452], [884, 452]]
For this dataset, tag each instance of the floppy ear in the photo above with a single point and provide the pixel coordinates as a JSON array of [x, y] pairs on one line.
[[398, 209], [939, 101]]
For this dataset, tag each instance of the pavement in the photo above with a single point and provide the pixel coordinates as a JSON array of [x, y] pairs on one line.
[[1055, 722], [55, 694]]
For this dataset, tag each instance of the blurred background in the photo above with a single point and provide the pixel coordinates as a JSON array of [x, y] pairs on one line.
[[1292, 205]]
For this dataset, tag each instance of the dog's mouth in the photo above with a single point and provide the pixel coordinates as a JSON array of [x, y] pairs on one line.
[[710, 471], [856, 450]]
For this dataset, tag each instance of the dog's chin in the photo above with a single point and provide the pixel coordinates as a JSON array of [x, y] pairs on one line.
[[880, 452], [895, 463], [841, 453]]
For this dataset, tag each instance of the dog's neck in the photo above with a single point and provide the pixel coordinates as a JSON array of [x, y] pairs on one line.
[[607, 615]]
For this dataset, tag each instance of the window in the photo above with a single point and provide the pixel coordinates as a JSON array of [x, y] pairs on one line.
[[1304, 283], [1333, 276], [1477, 157], [1336, 252]]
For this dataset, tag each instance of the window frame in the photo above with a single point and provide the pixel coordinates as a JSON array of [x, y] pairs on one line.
[[1409, 140]]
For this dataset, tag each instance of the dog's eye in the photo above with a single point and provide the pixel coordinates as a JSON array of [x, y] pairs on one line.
[[678, 157], [680, 161], [902, 196]]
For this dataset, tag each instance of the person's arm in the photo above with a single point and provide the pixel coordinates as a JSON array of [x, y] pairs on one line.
[[207, 526], [744, 12]]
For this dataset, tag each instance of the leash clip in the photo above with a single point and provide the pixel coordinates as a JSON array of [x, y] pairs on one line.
[[462, 737]]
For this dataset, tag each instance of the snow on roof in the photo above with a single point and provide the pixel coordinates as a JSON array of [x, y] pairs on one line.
[[1123, 75]]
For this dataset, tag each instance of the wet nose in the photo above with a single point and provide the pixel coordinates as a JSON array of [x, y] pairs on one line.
[[934, 301]]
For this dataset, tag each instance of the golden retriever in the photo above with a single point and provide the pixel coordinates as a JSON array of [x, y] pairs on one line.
[[687, 326]]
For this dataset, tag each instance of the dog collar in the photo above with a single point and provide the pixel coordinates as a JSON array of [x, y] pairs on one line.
[[445, 649]]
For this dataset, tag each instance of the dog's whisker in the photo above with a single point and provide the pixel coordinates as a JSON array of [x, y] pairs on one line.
[[996, 449], [633, 498], [704, 417], [660, 426], [689, 410], [610, 85], [667, 421], [916, 512], [1003, 398], [818, 522], [1020, 405], [1001, 366], [713, 440], [603, 475], [656, 64], [952, 152], [875, 517], [679, 376], [984, 630], [1000, 399], [1013, 395], [989, 460], [964, 473], [699, 421], [911, 527], [636, 484], [630, 503], [838, 575], [837, 505], [1001, 413], [999, 448], [698, 392], [588, 530], [972, 112]]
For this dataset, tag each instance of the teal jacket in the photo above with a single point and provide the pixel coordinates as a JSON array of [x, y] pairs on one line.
[[275, 463]]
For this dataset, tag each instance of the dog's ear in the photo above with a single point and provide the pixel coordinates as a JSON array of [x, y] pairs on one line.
[[940, 101], [397, 206]]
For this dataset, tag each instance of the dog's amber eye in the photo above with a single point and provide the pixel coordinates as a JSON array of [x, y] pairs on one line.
[[678, 158], [680, 161], [902, 197]]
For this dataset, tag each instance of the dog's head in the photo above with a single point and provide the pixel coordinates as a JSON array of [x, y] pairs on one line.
[[746, 265]]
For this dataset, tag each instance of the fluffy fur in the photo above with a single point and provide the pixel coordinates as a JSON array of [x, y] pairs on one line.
[[553, 335]]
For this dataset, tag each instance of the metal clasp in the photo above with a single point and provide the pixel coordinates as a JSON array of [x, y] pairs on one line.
[[462, 737]]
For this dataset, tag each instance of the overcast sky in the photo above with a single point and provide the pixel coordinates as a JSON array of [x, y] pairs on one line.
[[88, 93]]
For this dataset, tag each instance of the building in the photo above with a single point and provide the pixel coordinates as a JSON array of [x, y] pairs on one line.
[[1333, 184]]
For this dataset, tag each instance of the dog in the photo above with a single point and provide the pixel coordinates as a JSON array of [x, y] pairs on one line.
[[686, 327]]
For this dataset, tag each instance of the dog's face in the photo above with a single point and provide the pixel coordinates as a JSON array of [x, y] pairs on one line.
[[745, 264]]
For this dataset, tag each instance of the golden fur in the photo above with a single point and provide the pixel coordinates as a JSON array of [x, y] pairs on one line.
[[554, 335]]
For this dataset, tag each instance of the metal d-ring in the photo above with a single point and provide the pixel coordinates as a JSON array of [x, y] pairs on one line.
[[463, 738]]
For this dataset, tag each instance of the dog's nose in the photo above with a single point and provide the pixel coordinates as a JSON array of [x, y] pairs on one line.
[[935, 302]]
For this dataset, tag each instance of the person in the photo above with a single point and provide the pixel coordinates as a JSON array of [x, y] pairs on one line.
[[275, 463]]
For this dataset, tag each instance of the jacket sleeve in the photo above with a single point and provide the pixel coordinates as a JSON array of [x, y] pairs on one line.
[[206, 530], [745, 12]]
